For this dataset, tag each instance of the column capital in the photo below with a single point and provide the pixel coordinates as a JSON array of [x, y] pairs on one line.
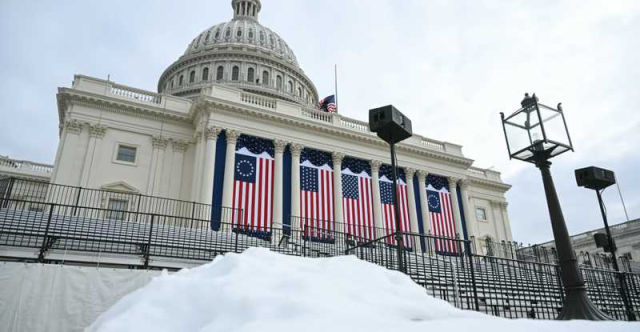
[[211, 133], [496, 203], [410, 172], [422, 175], [74, 126], [179, 145], [296, 149], [375, 165], [337, 157], [159, 142], [232, 136], [464, 184], [97, 130], [279, 145], [453, 181]]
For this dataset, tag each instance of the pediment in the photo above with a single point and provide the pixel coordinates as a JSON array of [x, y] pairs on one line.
[[120, 186]]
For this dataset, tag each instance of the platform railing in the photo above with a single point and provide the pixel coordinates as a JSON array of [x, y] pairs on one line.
[[447, 268]]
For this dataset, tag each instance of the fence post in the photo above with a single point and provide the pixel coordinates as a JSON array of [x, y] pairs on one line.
[[8, 192], [473, 277], [45, 239], [75, 206], [147, 253], [304, 242]]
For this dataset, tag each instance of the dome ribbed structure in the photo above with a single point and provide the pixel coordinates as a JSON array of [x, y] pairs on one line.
[[241, 53]]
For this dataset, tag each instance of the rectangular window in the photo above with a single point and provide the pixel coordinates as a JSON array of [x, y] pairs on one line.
[[117, 209], [481, 214], [126, 153]]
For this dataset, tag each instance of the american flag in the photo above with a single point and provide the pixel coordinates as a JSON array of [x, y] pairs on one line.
[[253, 184], [441, 214], [357, 209], [388, 212], [316, 193], [328, 104]]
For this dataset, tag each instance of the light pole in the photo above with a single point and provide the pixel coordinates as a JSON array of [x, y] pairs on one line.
[[536, 133], [599, 179], [392, 127]]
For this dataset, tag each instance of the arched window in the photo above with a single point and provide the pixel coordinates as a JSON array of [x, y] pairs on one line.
[[180, 80], [290, 87], [279, 82], [251, 73], [172, 83], [192, 76], [265, 77], [228, 33], [250, 34], [220, 73], [299, 92], [235, 73], [205, 74], [217, 34], [239, 33], [206, 38]]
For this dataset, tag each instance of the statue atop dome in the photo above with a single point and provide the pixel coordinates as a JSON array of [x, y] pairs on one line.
[[246, 9]]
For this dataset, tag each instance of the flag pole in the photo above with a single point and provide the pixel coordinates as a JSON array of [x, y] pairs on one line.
[[336, 85]]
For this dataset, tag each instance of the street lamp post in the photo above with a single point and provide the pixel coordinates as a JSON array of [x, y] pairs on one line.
[[392, 127], [536, 133], [599, 179]]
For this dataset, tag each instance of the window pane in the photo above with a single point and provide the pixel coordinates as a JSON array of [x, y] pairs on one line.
[[480, 214], [116, 209], [126, 153]]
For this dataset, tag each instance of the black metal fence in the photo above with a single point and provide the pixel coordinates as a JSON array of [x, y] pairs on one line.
[[447, 268]]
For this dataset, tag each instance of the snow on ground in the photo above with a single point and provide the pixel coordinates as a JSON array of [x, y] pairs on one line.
[[259, 290]]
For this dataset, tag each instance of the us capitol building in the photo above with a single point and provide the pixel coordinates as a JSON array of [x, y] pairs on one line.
[[235, 123]]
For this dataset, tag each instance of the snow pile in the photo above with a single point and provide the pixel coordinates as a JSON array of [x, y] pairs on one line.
[[263, 291]]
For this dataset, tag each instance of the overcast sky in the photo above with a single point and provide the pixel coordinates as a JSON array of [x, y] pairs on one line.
[[451, 66]]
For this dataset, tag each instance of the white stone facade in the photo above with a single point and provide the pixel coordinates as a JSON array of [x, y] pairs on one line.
[[175, 133]]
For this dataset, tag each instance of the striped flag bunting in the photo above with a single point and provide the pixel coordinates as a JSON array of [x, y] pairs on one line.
[[253, 186]]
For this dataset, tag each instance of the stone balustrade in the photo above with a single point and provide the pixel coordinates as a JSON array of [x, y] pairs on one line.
[[257, 100], [137, 94], [107, 88], [25, 165]]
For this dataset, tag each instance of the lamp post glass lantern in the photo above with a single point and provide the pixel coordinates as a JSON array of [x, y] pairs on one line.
[[533, 127], [536, 133]]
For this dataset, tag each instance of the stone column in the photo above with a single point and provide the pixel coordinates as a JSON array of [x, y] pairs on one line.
[[211, 136], [472, 225], [413, 210], [157, 162], [96, 133], [377, 205], [337, 191], [453, 189], [277, 184], [422, 186], [296, 151], [505, 220], [175, 180], [197, 165], [229, 165], [69, 154]]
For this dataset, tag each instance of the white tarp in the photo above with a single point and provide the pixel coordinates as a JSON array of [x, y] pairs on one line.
[[52, 298]]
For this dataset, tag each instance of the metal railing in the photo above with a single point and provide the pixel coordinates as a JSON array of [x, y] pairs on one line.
[[447, 268]]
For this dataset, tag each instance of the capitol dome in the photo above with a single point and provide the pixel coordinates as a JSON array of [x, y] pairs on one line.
[[240, 53]]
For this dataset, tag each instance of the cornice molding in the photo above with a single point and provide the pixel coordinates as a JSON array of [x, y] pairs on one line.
[[68, 97], [502, 187], [216, 106]]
